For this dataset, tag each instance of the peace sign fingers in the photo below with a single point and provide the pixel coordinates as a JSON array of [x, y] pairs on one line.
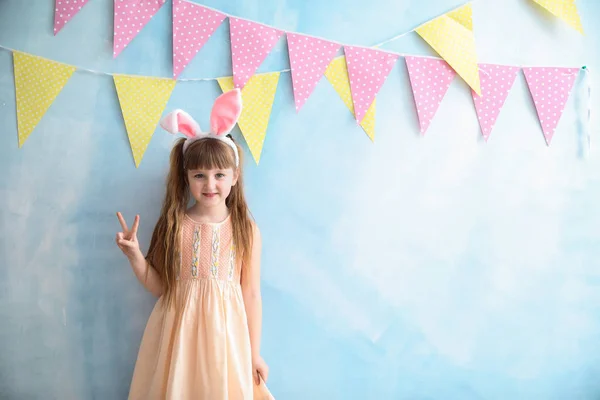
[[127, 240], [129, 234]]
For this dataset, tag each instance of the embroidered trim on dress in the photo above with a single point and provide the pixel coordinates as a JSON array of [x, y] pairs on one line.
[[231, 261], [195, 255], [216, 245]]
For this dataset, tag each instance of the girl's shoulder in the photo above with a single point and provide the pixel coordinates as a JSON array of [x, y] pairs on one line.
[[254, 226], [256, 236]]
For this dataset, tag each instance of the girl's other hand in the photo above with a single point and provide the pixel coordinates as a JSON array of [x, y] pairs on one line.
[[259, 370]]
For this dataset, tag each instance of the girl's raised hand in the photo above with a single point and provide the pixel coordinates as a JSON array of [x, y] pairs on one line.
[[127, 239]]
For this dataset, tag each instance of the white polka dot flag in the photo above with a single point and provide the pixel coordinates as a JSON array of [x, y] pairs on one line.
[[257, 98], [451, 36], [565, 9], [130, 16], [309, 58], [64, 10], [550, 88], [193, 25], [251, 43], [337, 75], [143, 100], [37, 83], [429, 79], [367, 70], [496, 82]]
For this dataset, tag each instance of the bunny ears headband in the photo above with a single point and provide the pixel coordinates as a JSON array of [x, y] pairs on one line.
[[224, 115]]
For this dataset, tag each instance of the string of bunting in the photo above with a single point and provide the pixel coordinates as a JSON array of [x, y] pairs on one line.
[[357, 76]]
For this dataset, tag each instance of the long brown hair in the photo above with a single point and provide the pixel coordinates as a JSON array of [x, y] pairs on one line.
[[165, 245]]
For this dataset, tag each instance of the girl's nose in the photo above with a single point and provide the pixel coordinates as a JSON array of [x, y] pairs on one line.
[[211, 183]]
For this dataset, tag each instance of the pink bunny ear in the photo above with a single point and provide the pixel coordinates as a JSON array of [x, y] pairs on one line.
[[180, 121], [225, 112]]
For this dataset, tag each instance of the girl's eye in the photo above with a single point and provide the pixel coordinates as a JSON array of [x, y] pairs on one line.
[[198, 176], [220, 176]]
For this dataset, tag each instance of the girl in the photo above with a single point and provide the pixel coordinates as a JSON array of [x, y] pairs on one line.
[[202, 340]]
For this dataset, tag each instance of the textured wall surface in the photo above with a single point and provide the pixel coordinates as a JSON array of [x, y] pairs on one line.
[[436, 267]]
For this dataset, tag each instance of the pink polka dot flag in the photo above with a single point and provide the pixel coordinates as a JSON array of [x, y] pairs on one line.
[[64, 10], [251, 43], [429, 79], [367, 70], [193, 25], [496, 82], [309, 58], [130, 16], [550, 88]]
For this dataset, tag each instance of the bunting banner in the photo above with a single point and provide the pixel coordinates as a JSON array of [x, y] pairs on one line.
[[251, 43], [143, 100], [565, 9], [309, 57], [257, 97], [496, 82], [367, 70], [130, 17], [193, 25], [64, 10], [550, 89], [429, 79], [37, 83], [357, 76], [337, 74], [451, 36]]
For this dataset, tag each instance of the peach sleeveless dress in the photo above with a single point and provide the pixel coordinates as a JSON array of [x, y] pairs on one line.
[[199, 348]]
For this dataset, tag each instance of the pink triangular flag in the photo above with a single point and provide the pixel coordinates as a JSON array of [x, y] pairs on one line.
[[367, 70], [193, 25], [496, 82], [64, 10], [550, 88], [251, 43], [309, 58], [429, 79], [130, 16]]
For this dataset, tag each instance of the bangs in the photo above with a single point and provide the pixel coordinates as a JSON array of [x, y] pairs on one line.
[[209, 154]]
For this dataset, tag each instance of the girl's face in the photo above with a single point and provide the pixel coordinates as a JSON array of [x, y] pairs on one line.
[[210, 187]]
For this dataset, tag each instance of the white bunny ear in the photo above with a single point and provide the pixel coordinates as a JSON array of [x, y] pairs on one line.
[[180, 121], [225, 112]]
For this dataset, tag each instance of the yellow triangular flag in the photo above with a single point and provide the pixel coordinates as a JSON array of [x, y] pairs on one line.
[[257, 99], [337, 74], [451, 35], [143, 100], [37, 83], [565, 9]]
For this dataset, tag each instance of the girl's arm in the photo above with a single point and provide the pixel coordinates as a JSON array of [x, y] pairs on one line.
[[251, 293], [147, 275], [129, 245]]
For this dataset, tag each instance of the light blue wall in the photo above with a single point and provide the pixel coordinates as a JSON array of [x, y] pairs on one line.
[[435, 267]]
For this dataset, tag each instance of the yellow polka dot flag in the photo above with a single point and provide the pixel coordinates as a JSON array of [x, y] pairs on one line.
[[565, 9], [37, 83], [143, 100], [257, 99], [337, 74], [451, 36]]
